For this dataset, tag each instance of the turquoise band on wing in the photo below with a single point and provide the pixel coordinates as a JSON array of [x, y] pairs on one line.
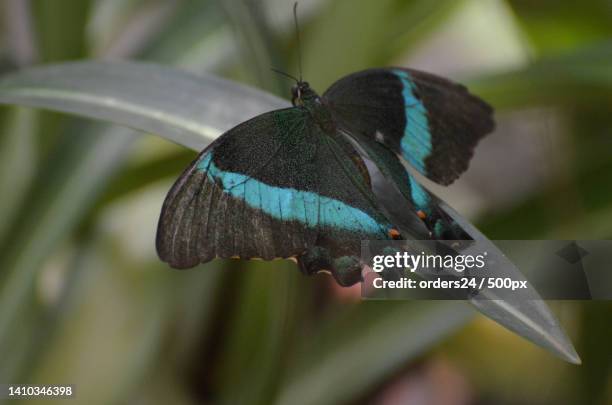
[[419, 195], [416, 141], [288, 204]]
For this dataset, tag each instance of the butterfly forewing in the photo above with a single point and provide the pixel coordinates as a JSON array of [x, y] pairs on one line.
[[275, 186]]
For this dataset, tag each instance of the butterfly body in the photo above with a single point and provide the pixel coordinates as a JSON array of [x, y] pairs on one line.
[[303, 96], [292, 183]]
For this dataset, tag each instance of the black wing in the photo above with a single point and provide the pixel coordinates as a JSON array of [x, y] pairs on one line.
[[274, 186], [430, 121]]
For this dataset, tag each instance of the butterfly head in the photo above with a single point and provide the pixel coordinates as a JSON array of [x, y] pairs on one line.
[[301, 94]]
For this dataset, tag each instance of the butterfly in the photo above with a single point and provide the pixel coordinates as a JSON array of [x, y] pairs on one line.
[[293, 183]]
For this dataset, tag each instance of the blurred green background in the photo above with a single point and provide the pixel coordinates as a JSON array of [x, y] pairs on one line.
[[80, 201]]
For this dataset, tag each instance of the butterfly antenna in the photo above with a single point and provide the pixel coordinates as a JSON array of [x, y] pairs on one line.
[[280, 72], [297, 35]]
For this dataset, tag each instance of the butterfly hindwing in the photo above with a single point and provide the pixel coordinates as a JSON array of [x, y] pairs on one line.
[[430, 121], [274, 186], [417, 205]]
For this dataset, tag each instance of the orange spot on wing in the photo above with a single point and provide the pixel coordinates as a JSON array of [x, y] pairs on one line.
[[394, 234], [421, 214]]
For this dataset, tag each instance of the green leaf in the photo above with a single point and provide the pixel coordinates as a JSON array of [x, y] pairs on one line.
[[17, 155], [59, 35], [265, 317]]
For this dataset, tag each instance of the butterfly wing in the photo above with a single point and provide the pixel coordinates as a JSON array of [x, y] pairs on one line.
[[274, 186], [419, 205], [430, 121]]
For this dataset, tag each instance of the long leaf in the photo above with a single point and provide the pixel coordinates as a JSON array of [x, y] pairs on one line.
[[187, 109], [525, 313], [17, 155]]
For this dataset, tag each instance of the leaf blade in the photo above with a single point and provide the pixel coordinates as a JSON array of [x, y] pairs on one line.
[[142, 96]]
